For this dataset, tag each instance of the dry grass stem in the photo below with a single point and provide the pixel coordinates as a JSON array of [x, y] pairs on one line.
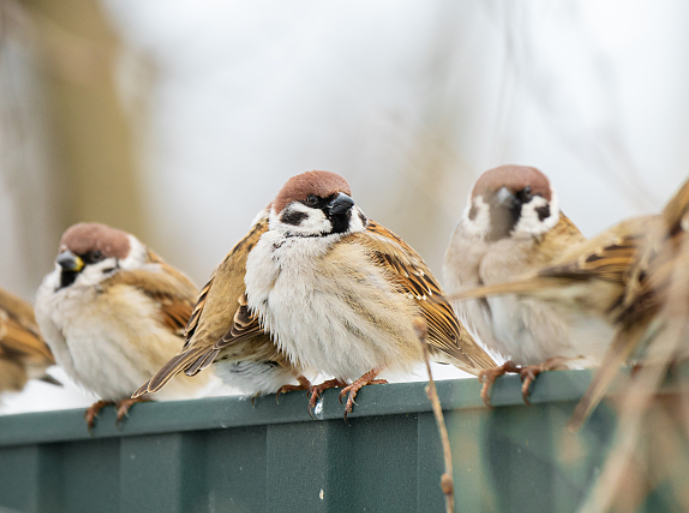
[[446, 482], [635, 405]]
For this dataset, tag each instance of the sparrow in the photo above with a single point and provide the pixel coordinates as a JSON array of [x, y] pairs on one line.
[[584, 287], [339, 293], [655, 302], [512, 227], [113, 312], [23, 353], [254, 365]]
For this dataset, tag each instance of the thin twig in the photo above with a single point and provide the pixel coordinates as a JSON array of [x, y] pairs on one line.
[[446, 482]]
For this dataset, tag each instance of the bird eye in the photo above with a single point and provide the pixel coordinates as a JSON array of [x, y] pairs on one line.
[[96, 256], [311, 200], [525, 194]]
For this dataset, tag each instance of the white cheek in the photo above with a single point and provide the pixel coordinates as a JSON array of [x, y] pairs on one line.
[[357, 221], [529, 223], [314, 223], [479, 226], [95, 273], [137, 255]]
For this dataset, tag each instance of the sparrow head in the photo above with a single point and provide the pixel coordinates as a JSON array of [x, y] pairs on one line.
[[90, 252], [316, 203], [511, 201]]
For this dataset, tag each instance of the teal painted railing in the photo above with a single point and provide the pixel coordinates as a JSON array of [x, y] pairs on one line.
[[225, 455]]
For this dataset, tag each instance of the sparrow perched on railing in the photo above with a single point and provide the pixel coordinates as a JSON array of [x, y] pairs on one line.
[[510, 232], [114, 312], [252, 364], [335, 292], [655, 304], [339, 293], [23, 353]]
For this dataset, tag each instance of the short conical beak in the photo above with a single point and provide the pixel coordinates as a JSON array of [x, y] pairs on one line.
[[341, 204], [505, 197], [69, 261]]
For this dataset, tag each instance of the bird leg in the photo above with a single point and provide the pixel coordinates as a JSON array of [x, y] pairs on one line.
[[528, 373], [93, 410], [488, 377], [124, 405], [367, 379], [304, 384], [315, 391]]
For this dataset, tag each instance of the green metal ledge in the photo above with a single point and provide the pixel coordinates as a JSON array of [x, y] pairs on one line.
[[225, 455]]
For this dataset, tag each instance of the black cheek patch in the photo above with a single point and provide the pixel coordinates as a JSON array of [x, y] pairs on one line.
[[543, 212], [362, 218], [340, 222], [293, 217], [67, 278], [473, 213]]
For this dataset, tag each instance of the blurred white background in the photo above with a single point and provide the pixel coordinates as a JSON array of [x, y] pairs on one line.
[[179, 120]]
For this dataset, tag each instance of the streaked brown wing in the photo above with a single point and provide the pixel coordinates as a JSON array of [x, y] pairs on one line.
[[676, 209], [558, 240], [566, 227], [227, 282], [657, 274], [213, 314], [20, 338], [17, 342], [412, 276], [244, 325], [18, 309], [608, 257], [13, 375], [171, 290], [663, 260], [659, 278], [196, 313]]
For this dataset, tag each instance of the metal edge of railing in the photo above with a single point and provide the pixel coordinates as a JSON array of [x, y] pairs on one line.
[[226, 412]]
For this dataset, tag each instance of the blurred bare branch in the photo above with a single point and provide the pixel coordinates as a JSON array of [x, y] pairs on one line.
[[91, 138]]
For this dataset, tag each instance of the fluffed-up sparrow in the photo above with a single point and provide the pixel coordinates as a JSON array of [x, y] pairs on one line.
[[527, 282], [325, 290], [113, 312], [339, 293]]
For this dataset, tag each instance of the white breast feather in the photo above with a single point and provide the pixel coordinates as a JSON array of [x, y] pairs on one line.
[[253, 378], [109, 344], [525, 330], [337, 314]]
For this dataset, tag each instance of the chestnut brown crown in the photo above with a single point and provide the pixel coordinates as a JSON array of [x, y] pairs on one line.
[[83, 238], [320, 183], [515, 179]]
